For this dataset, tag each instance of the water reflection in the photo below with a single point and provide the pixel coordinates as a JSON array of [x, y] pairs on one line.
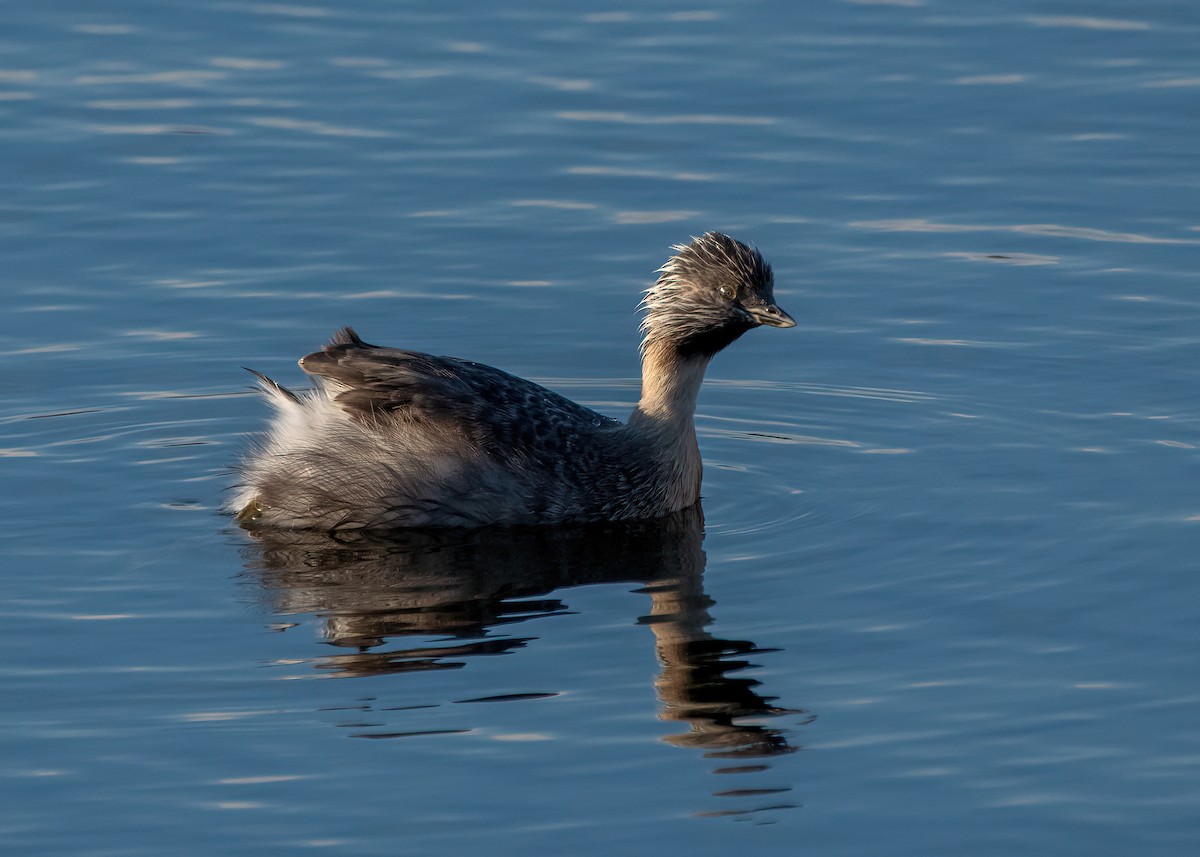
[[373, 590]]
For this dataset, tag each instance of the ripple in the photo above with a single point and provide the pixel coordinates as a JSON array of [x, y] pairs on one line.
[[247, 64], [52, 348], [104, 29], [562, 84], [633, 218], [161, 335], [103, 617], [626, 118], [141, 103], [628, 172], [260, 780], [959, 343], [1054, 230], [420, 733], [880, 393], [220, 716], [186, 77], [427, 73], [359, 62], [289, 11], [510, 697], [311, 126], [1019, 259], [776, 437], [150, 130], [1085, 22], [562, 204], [991, 79], [607, 17], [522, 736], [1172, 83]]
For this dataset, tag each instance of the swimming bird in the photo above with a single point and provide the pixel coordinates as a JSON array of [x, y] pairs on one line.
[[393, 438]]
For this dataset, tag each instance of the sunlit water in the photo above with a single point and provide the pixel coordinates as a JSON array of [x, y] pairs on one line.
[[944, 599]]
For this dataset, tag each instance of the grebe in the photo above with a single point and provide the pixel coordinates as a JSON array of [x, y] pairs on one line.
[[393, 438]]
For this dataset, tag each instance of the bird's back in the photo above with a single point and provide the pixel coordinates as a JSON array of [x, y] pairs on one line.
[[402, 438], [509, 418]]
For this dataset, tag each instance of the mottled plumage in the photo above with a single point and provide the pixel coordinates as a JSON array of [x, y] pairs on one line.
[[393, 438]]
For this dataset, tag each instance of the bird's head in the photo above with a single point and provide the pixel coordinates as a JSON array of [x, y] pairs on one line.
[[707, 295]]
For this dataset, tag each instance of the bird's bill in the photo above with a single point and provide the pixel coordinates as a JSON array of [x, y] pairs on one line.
[[770, 315]]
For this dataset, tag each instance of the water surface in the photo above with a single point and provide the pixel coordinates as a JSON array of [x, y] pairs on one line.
[[943, 599]]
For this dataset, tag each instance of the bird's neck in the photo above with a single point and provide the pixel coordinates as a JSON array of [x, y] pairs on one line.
[[670, 384], [663, 422]]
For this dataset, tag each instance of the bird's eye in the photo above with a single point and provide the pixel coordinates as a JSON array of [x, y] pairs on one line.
[[726, 292]]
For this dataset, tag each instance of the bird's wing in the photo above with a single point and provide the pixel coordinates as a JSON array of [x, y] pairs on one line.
[[500, 412]]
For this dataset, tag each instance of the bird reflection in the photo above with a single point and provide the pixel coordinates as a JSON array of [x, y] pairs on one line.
[[373, 589]]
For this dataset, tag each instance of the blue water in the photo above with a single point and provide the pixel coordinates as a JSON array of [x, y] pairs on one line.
[[944, 601]]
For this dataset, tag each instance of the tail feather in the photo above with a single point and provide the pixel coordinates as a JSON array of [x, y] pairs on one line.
[[273, 389], [347, 336]]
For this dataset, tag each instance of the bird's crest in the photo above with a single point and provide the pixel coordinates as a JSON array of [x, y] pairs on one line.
[[702, 266]]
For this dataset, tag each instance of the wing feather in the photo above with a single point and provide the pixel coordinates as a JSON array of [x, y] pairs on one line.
[[501, 413]]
